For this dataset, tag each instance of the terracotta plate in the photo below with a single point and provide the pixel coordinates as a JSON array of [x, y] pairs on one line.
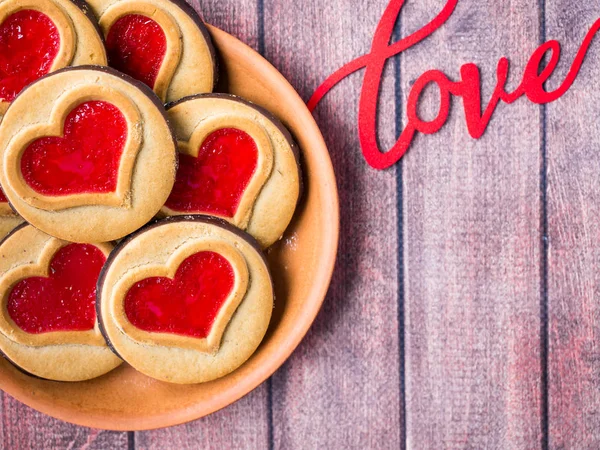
[[302, 264]]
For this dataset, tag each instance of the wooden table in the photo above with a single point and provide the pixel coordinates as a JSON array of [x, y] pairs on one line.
[[464, 311]]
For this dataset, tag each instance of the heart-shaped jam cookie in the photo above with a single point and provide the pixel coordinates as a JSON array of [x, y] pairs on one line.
[[137, 46], [85, 159], [188, 303], [222, 169], [41, 36], [64, 299], [48, 324], [94, 161], [236, 162], [216, 178], [162, 43], [186, 300], [29, 45]]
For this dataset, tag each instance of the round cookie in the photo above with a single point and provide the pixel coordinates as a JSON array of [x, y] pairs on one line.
[[93, 161], [185, 300], [163, 43], [48, 324], [41, 36], [236, 162]]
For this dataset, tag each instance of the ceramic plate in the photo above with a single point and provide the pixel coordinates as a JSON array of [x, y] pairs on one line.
[[301, 264]]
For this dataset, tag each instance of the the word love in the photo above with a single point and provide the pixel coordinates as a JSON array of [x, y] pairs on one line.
[[468, 87]]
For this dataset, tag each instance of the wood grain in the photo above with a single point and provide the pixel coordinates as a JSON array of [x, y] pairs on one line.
[[237, 18], [573, 148], [471, 216], [472, 243], [245, 424], [341, 388], [23, 428]]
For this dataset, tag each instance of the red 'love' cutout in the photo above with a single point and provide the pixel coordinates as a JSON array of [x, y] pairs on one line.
[[3, 198], [29, 43], [186, 305], [64, 301], [85, 160], [215, 181], [137, 45], [538, 70]]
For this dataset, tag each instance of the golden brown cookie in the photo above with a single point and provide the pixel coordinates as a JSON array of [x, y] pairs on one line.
[[41, 36], [9, 220], [9, 223], [93, 161], [236, 162], [185, 300], [48, 324], [163, 43]]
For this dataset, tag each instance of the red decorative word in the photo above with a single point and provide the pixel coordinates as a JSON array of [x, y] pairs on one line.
[[469, 87]]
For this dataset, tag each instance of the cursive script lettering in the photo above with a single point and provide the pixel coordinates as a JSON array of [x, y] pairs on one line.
[[468, 87]]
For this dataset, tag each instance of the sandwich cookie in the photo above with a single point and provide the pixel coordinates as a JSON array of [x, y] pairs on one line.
[[93, 161], [236, 162], [41, 36], [163, 43], [48, 324], [185, 300]]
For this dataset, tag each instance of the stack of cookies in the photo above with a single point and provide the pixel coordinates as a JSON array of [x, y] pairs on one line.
[[140, 203]]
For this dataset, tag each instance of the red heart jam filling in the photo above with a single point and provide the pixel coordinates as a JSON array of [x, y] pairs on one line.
[[85, 160], [29, 43], [3, 198], [186, 305], [215, 181], [137, 45], [64, 301]]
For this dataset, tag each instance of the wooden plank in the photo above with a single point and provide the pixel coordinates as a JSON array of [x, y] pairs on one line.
[[237, 18], [341, 388], [23, 428], [573, 144], [472, 242], [244, 424]]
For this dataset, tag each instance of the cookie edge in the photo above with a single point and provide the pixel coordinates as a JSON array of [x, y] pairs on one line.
[[195, 16]]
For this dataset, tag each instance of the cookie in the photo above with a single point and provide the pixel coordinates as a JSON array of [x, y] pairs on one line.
[[163, 43], [236, 162], [186, 300], [41, 36], [48, 324], [93, 161], [9, 220]]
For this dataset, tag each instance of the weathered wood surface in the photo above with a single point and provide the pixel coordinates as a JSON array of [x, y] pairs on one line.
[[22, 428], [242, 425], [451, 321], [341, 388], [472, 243], [573, 148]]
